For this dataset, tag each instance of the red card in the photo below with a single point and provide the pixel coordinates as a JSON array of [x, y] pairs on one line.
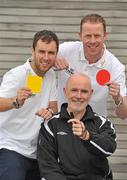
[[102, 77]]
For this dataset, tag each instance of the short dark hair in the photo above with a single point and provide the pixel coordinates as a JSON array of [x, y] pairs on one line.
[[45, 36], [93, 18]]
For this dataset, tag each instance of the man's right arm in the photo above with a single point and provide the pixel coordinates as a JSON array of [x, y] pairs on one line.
[[6, 104], [9, 103], [61, 63]]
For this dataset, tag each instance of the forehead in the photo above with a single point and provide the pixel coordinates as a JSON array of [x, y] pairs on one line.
[[90, 27], [46, 45], [79, 83]]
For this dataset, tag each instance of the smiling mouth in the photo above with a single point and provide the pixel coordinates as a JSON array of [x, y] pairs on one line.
[[77, 102], [93, 47], [44, 64]]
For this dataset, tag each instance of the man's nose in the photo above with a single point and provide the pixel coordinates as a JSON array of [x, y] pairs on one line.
[[92, 39], [79, 94], [45, 57]]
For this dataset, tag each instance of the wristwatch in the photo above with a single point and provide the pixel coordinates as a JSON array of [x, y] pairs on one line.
[[16, 104], [51, 111], [120, 102]]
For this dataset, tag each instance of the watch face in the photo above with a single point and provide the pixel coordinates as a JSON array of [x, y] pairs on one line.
[[15, 104]]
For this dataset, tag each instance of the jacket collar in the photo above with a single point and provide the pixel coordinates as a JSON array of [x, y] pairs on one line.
[[89, 114]]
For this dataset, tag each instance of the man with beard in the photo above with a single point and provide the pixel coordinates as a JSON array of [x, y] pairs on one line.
[[21, 112]]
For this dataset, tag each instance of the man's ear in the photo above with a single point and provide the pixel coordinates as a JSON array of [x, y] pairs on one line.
[[91, 91]]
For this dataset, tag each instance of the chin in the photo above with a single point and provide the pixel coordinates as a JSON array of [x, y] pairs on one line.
[[44, 69], [77, 109]]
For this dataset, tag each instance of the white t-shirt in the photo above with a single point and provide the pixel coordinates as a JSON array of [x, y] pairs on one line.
[[19, 128], [74, 54]]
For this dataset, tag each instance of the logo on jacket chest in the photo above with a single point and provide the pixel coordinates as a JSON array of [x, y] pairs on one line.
[[62, 133]]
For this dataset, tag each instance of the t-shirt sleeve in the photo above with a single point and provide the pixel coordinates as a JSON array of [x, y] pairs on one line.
[[9, 85]]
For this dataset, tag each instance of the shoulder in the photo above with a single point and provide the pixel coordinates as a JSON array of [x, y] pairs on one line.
[[53, 120], [96, 118], [12, 80], [113, 59], [15, 73], [102, 121], [19, 70]]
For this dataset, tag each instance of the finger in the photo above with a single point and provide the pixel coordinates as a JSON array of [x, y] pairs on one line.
[[61, 63], [48, 116], [24, 93], [77, 131], [64, 63], [44, 113], [61, 66], [114, 91], [41, 113], [108, 83], [21, 97], [76, 126], [24, 89]]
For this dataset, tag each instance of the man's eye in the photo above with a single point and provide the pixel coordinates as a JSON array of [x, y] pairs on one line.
[[42, 52], [97, 36], [84, 91], [74, 90], [52, 53], [88, 36]]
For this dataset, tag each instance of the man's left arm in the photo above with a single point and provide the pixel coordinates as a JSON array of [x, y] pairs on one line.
[[102, 141], [118, 91], [119, 100]]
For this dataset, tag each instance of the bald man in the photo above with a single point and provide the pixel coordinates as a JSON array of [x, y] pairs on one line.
[[75, 143]]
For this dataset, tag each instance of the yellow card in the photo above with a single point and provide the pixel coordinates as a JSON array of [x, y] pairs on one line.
[[34, 83]]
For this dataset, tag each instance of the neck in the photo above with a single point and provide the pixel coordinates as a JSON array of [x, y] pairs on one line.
[[35, 70], [77, 114], [94, 59]]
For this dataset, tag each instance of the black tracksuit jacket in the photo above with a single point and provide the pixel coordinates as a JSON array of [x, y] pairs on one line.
[[64, 156]]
